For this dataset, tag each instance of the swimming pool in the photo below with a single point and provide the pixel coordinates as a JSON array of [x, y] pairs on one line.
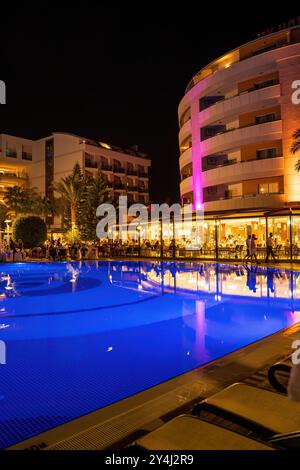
[[80, 336]]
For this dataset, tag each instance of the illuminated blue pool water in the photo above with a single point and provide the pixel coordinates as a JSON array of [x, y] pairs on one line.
[[120, 328]]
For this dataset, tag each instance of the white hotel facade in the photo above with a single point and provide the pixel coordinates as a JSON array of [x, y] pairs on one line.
[[52, 158]]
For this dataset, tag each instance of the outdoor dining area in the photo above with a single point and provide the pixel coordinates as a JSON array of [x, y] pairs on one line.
[[220, 237]]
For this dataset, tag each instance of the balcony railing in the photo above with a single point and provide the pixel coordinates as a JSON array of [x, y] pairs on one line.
[[118, 169], [26, 156], [91, 164], [267, 84], [9, 174], [225, 131], [186, 175], [118, 187], [11, 153], [130, 172], [238, 162], [142, 174], [226, 197], [106, 167]]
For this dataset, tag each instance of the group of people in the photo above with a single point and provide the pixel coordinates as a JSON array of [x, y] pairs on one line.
[[12, 251], [251, 248], [57, 250]]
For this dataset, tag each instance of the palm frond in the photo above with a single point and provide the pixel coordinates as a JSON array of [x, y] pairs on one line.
[[297, 166]]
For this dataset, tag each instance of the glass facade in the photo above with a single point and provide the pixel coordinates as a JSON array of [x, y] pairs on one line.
[[222, 238]]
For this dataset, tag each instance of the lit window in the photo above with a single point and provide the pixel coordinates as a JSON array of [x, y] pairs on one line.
[[273, 188], [269, 188]]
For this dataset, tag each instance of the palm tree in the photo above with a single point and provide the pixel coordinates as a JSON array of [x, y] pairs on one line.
[[16, 199], [95, 193], [295, 147], [44, 206], [70, 189]]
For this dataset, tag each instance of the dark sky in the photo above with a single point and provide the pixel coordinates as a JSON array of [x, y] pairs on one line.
[[115, 74]]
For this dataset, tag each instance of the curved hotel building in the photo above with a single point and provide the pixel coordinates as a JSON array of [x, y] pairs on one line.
[[237, 120]]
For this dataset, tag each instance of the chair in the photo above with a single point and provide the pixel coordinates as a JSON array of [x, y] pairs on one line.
[[267, 413], [188, 432], [270, 415]]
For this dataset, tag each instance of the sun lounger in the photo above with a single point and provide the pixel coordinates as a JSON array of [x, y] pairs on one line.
[[262, 411], [188, 432]]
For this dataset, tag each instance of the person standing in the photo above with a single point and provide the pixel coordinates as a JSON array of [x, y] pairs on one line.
[[248, 247], [270, 251], [253, 247]]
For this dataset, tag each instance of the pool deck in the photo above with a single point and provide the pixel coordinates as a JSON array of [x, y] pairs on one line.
[[121, 423]]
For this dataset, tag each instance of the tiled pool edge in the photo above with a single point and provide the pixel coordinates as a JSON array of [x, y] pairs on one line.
[[114, 424]]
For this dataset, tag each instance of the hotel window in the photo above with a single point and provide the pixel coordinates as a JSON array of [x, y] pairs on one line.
[[265, 118], [26, 152], [266, 153], [90, 161], [268, 188], [11, 150]]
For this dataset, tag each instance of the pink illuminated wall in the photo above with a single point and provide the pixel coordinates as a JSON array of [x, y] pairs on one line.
[[196, 158]]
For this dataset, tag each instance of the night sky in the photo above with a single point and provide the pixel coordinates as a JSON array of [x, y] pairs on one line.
[[115, 74]]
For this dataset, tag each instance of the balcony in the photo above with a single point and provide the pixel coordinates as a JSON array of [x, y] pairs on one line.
[[132, 189], [208, 163], [130, 172], [26, 156], [90, 164], [249, 201], [119, 187], [105, 167], [119, 169], [210, 132], [186, 185], [184, 176], [185, 130], [241, 103], [244, 170], [143, 190], [142, 174], [209, 101], [11, 153], [212, 166], [185, 158], [232, 138]]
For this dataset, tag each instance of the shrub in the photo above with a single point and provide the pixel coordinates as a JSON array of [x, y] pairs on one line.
[[31, 230]]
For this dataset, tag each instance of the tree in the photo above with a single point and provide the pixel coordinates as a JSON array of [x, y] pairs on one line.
[[31, 230], [44, 207], [95, 193], [70, 189], [26, 200], [17, 199], [295, 147], [3, 215]]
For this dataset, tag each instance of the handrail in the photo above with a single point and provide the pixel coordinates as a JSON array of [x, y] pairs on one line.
[[250, 90], [237, 128], [237, 162]]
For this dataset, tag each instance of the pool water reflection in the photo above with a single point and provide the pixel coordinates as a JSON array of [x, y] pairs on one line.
[[80, 336]]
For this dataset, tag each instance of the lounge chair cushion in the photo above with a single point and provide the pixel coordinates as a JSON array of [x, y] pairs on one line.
[[269, 409], [187, 432]]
